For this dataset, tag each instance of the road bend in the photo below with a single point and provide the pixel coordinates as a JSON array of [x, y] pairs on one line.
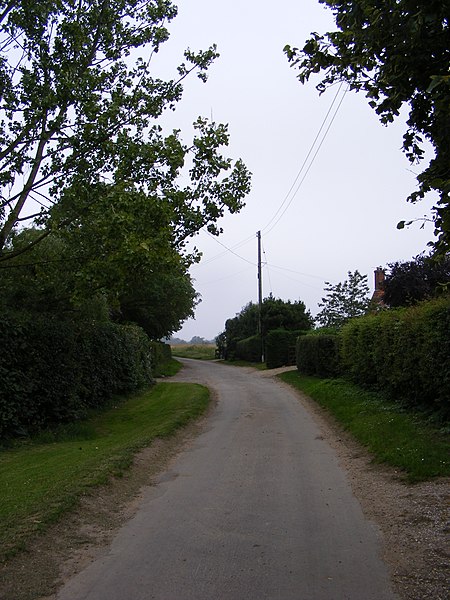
[[256, 508]]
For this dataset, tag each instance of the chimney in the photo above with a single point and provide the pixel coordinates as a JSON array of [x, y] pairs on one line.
[[379, 279], [378, 294]]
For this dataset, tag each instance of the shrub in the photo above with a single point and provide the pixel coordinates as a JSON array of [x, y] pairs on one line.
[[404, 352], [318, 354], [359, 340], [249, 349], [161, 354], [281, 347], [54, 371]]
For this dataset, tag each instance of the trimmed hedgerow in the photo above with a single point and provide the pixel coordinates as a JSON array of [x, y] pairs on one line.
[[280, 347], [318, 354], [359, 345], [53, 371], [404, 352], [161, 354], [249, 349]]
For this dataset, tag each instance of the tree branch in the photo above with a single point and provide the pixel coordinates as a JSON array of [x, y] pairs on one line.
[[14, 253], [7, 10], [13, 216], [13, 145]]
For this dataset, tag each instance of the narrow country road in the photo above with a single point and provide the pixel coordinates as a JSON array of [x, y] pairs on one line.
[[257, 508]]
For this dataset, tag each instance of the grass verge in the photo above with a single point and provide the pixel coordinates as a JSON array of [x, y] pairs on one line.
[[168, 369], [43, 478], [198, 351], [402, 439]]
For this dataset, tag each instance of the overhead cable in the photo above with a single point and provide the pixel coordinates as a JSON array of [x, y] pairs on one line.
[[228, 276], [298, 272], [266, 264], [275, 220], [230, 250]]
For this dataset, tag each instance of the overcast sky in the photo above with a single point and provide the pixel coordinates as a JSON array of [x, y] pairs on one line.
[[340, 215]]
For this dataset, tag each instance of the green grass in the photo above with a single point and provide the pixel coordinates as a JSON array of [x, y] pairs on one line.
[[43, 478], [200, 351], [400, 438], [168, 369]]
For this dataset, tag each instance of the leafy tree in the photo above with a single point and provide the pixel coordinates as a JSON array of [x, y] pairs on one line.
[[35, 282], [419, 279], [175, 341], [275, 314], [344, 300], [119, 232], [197, 340], [397, 52], [79, 106], [158, 302], [244, 324], [221, 343], [63, 278], [284, 314]]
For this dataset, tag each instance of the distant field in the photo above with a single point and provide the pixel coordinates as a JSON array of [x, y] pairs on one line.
[[200, 351]]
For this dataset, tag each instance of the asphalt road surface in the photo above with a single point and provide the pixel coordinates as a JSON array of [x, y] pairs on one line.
[[256, 508]]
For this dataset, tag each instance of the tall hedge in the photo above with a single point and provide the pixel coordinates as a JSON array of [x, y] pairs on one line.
[[281, 347], [404, 352], [360, 343], [161, 354], [54, 371], [249, 349], [318, 354]]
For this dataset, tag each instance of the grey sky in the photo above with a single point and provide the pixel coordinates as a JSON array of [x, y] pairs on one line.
[[343, 216]]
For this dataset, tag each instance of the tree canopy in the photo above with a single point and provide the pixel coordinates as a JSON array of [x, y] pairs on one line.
[[59, 279], [275, 314], [398, 53], [79, 113], [422, 278], [97, 201], [344, 300]]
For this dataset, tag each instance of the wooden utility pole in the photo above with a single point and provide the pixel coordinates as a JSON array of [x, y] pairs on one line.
[[258, 235]]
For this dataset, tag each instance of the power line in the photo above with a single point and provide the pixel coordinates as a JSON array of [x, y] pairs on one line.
[[277, 216], [299, 272], [228, 276], [230, 250], [302, 283], [306, 159], [268, 272], [238, 245], [266, 230]]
